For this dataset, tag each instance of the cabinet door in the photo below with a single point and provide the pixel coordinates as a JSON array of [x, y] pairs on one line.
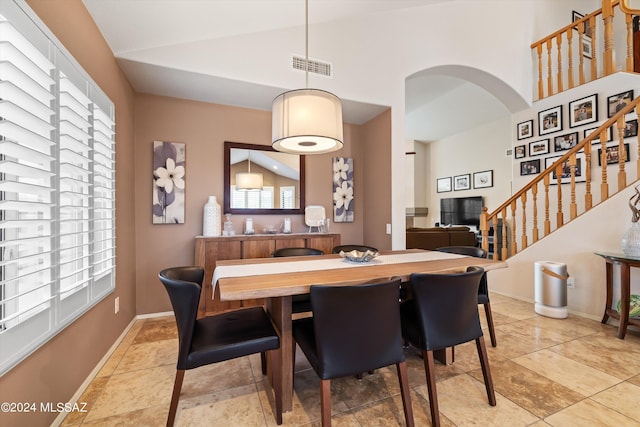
[[258, 248], [290, 243], [214, 251], [324, 243]]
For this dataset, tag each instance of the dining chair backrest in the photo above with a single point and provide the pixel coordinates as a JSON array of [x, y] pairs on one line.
[[473, 251], [357, 328], [349, 248], [447, 307], [282, 252]]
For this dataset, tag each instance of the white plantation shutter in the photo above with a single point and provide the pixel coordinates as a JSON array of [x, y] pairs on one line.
[[57, 142]]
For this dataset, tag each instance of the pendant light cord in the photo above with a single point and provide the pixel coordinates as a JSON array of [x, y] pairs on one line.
[[306, 43]]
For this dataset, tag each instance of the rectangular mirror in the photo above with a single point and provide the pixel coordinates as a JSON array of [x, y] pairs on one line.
[[282, 180]]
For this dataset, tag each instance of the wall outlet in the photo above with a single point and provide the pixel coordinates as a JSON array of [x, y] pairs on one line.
[[571, 282], [388, 228], [117, 305]]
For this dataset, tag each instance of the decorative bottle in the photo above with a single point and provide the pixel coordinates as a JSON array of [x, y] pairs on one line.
[[211, 221]]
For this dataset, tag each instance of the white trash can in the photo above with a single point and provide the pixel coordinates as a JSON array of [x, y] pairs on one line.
[[551, 289]]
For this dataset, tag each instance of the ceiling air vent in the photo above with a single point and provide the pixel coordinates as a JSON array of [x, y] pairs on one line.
[[316, 67]]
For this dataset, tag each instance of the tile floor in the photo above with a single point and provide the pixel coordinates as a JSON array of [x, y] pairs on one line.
[[546, 372]]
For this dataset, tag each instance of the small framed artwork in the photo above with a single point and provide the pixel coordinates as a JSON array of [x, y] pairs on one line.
[[525, 129], [550, 120], [566, 169], [587, 47], [530, 167], [631, 128], [617, 102], [461, 182], [576, 16], [596, 140], [613, 154], [443, 185], [538, 148], [565, 142], [583, 111], [520, 151], [483, 179]]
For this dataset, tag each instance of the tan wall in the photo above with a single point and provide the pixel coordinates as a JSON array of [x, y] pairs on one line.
[[203, 128], [56, 370]]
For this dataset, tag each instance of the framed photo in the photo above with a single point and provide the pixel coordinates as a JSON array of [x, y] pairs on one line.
[[630, 128], [530, 167], [443, 185], [538, 148], [617, 102], [613, 154], [586, 30], [587, 47], [550, 120], [483, 179], [525, 129], [565, 142], [566, 169], [520, 151], [461, 182], [583, 111], [596, 140]]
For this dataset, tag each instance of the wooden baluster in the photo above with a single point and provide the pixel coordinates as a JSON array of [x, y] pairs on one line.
[[547, 220], [604, 186], [581, 54], [514, 233], [496, 243], [484, 229], [504, 251], [560, 84], [549, 70], [629, 22], [594, 57], [523, 198], [540, 79], [607, 17], [638, 144], [622, 174], [559, 214], [588, 197], [573, 207], [570, 57], [534, 190]]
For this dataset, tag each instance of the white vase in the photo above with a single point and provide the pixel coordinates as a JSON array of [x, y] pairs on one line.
[[211, 221], [631, 240]]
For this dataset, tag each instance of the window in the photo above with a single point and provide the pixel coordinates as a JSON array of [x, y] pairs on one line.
[[252, 199], [57, 182], [287, 197]]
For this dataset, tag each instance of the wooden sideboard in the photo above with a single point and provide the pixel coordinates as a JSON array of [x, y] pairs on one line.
[[210, 249]]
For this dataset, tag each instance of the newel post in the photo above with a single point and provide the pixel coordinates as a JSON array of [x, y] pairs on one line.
[[607, 18], [484, 228]]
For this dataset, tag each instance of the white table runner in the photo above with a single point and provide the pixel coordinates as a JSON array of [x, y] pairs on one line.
[[242, 270]]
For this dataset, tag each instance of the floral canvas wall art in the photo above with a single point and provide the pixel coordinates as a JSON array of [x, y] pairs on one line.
[[343, 204], [168, 182]]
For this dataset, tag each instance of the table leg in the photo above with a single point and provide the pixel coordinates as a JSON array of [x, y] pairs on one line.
[[609, 278], [280, 310], [625, 297]]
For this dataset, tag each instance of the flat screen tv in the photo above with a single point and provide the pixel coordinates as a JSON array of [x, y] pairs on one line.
[[461, 211]]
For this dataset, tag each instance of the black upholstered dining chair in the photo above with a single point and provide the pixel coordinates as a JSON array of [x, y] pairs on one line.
[[349, 248], [444, 313], [483, 290], [353, 329], [299, 303], [216, 338]]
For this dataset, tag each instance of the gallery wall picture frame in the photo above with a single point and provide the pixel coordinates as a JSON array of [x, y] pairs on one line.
[[565, 142], [520, 151], [583, 111], [576, 16], [539, 148], [613, 154], [566, 169], [443, 185], [631, 128], [462, 182], [596, 140], [550, 120], [587, 46], [524, 129], [483, 179], [530, 167], [618, 101]]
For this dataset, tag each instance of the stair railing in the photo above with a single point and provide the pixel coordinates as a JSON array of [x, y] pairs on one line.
[[568, 168]]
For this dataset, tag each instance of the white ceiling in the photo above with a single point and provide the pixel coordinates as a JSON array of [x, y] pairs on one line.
[[141, 31]]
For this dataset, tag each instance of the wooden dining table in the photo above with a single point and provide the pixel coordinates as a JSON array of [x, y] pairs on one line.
[[277, 279]]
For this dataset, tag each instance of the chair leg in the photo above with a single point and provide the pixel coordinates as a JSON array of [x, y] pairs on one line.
[[492, 331], [405, 391], [175, 397], [325, 402], [429, 367], [486, 371], [276, 364], [263, 362]]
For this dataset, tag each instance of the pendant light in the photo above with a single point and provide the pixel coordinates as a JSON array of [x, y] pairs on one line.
[[248, 180], [306, 121]]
